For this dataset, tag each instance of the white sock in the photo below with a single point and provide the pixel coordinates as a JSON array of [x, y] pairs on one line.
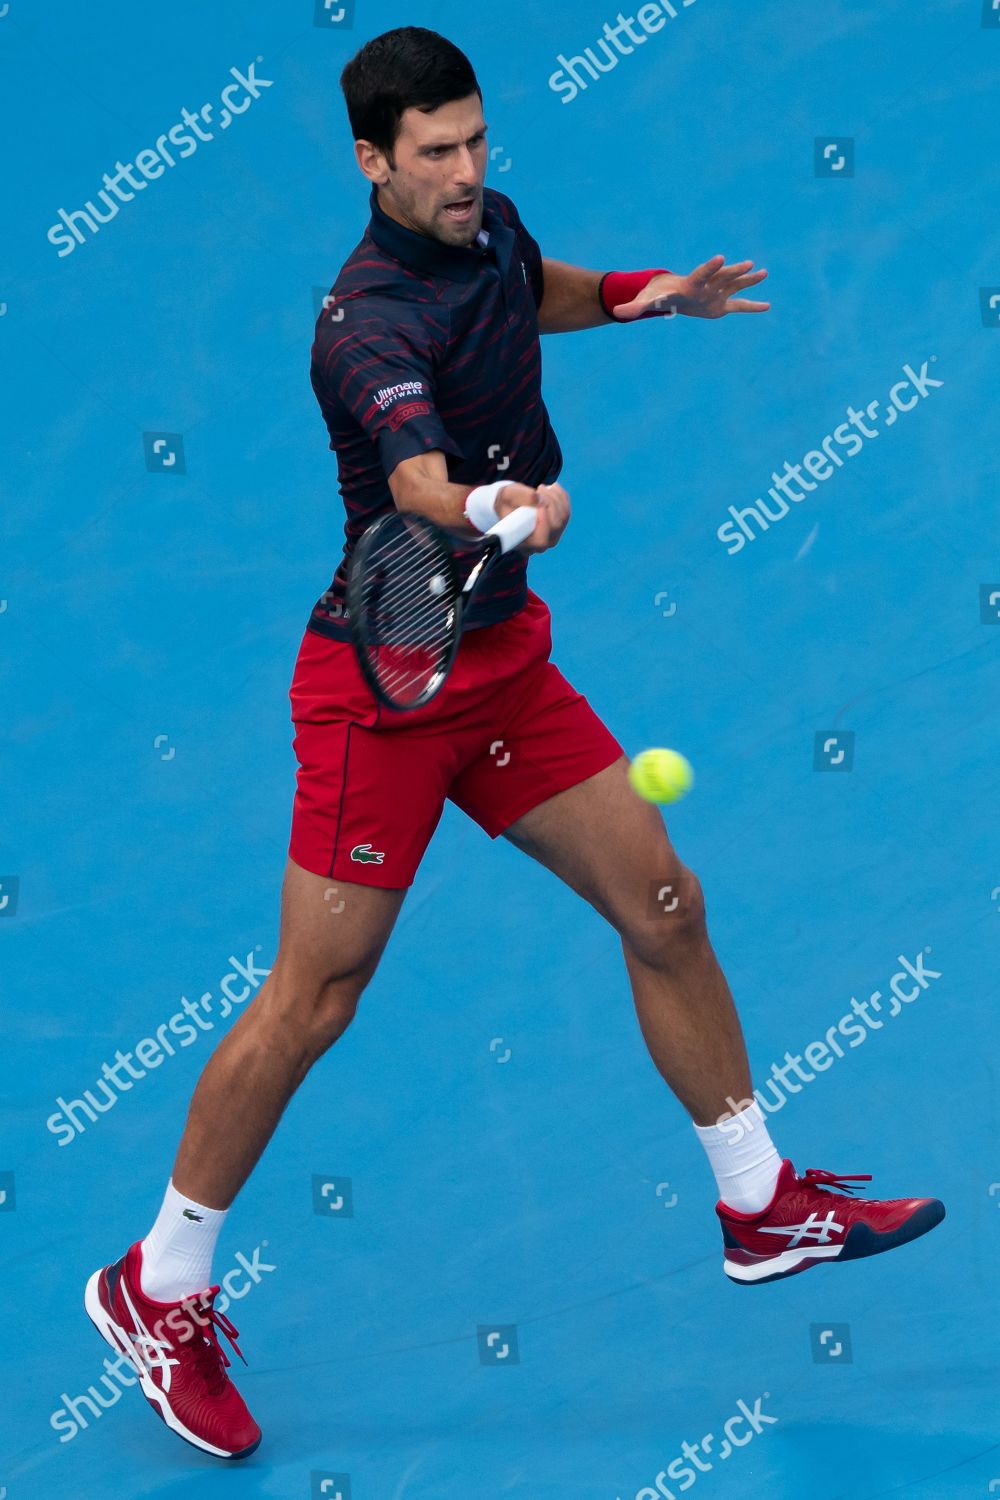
[[177, 1251], [743, 1158]]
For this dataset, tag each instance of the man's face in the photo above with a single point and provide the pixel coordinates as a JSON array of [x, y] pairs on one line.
[[440, 160]]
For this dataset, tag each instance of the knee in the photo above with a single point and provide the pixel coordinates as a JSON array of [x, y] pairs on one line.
[[307, 1013], [332, 1009], [672, 922]]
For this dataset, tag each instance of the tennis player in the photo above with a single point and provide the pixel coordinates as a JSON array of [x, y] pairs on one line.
[[427, 367]]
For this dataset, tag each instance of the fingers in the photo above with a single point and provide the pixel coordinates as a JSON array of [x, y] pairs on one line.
[[740, 304], [724, 273], [709, 268], [514, 494], [541, 538], [733, 277], [553, 517], [739, 283], [736, 278], [555, 498], [552, 504]]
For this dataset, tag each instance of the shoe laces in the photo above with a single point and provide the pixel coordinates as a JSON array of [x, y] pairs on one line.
[[817, 1178], [210, 1359]]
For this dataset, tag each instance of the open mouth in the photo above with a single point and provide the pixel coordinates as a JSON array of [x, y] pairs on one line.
[[461, 211]]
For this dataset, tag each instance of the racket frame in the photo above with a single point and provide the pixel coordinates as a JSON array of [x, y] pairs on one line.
[[513, 528], [356, 612]]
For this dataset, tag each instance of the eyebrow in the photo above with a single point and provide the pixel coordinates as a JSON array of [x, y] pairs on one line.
[[444, 145]]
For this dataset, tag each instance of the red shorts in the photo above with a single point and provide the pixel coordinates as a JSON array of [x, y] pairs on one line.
[[505, 732]]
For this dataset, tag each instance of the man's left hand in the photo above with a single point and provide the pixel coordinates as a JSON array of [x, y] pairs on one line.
[[706, 292]]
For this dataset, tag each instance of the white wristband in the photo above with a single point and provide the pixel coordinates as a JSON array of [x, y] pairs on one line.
[[480, 504]]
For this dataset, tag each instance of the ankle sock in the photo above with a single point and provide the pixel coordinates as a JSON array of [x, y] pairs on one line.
[[177, 1252], [744, 1159]]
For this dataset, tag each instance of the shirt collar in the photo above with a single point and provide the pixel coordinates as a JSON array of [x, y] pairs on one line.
[[456, 262]]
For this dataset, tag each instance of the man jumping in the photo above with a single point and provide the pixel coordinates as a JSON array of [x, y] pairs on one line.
[[427, 367]]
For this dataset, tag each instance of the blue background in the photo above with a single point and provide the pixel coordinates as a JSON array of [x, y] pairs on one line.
[[142, 604]]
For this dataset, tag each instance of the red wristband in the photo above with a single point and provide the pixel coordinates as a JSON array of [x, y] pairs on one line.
[[616, 287]]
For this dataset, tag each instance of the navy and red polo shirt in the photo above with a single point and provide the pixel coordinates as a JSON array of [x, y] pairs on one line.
[[425, 345]]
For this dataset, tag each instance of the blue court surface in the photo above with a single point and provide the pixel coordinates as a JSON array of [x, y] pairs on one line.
[[480, 1257]]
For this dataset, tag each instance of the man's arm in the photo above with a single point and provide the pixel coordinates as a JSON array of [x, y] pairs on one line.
[[421, 484], [570, 299]]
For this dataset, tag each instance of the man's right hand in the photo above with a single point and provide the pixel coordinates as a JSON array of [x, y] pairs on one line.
[[421, 484], [552, 502]]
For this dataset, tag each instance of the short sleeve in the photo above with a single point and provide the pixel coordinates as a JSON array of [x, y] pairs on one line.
[[381, 370]]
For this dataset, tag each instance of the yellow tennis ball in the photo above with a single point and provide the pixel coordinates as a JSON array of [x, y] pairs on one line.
[[661, 775]]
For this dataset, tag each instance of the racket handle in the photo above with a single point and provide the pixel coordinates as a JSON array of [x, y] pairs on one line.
[[515, 527]]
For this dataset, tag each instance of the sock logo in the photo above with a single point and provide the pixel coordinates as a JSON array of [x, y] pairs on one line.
[[188, 1213]]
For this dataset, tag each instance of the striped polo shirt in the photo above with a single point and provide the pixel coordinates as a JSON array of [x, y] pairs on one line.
[[424, 345]]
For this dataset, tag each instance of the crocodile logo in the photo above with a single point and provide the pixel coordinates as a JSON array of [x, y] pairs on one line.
[[364, 854]]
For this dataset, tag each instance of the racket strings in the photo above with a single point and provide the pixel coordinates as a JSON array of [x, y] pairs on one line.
[[408, 609]]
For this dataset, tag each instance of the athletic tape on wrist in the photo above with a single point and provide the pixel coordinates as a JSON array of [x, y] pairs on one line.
[[480, 504], [616, 287]]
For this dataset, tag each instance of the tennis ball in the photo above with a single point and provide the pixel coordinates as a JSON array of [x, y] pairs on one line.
[[661, 775]]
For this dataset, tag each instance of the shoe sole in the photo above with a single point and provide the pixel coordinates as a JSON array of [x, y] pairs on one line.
[[859, 1242], [114, 1334]]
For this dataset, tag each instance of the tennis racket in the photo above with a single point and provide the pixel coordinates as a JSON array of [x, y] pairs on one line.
[[405, 603]]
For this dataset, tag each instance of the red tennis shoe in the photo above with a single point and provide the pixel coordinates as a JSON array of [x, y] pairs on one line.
[[806, 1223], [175, 1349]]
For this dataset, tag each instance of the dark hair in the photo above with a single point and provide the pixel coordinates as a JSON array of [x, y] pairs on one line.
[[404, 68]]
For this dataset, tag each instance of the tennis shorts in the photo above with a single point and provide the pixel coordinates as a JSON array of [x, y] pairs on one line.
[[506, 732]]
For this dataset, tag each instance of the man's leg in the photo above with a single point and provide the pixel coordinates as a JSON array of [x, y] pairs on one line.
[[155, 1304], [613, 849], [331, 939]]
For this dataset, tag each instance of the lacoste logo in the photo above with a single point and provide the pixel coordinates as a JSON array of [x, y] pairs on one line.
[[401, 414], [189, 1213], [364, 854]]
